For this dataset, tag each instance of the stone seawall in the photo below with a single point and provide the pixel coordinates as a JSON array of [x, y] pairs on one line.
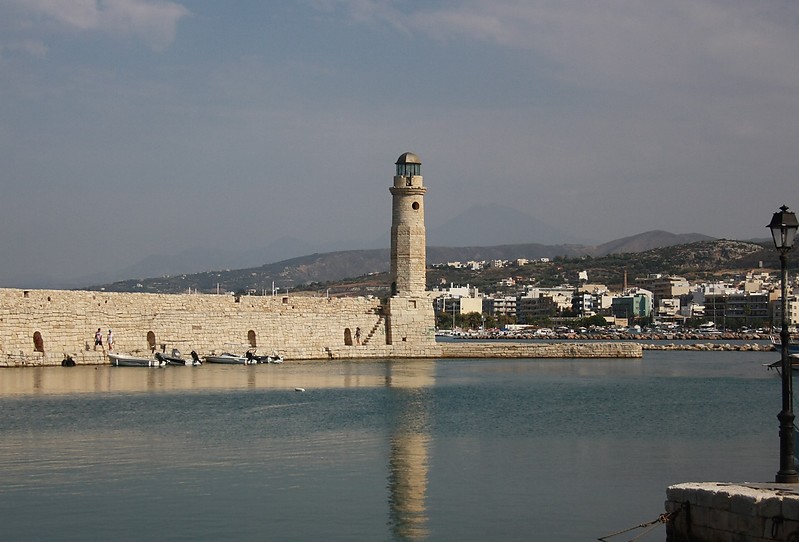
[[42, 327], [503, 349], [712, 347], [718, 512]]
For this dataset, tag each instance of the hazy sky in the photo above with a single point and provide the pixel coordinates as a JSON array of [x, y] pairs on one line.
[[136, 127]]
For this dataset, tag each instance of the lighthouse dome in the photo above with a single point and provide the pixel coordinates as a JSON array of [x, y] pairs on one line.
[[408, 158]]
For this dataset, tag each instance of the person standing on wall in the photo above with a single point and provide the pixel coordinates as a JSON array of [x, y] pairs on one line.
[[110, 340], [98, 339], [357, 335]]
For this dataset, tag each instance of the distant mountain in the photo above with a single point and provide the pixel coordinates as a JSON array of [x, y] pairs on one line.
[[649, 240], [335, 266], [199, 259], [491, 225], [478, 226]]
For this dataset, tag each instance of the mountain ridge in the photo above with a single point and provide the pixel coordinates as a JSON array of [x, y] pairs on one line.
[[318, 268], [482, 225]]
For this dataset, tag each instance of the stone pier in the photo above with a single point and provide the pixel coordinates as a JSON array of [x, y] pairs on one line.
[[503, 349], [42, 327], [727, 512]]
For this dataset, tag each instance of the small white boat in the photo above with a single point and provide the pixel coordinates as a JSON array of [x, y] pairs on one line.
[[230, 359], [125, 360]]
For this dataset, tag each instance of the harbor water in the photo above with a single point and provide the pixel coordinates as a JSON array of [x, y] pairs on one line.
[[455, 450]]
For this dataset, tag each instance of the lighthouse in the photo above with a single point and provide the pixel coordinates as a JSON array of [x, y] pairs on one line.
[[408, 243]]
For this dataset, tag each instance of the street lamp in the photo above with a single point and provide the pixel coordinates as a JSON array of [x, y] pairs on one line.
[[783, 228]]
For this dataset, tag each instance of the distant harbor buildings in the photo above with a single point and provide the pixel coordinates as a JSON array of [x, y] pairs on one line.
[[740, 302]]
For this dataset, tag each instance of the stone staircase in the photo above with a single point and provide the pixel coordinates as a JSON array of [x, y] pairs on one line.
[[380, 321]]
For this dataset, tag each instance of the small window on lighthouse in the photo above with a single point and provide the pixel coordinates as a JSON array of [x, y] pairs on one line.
[[415, 205]]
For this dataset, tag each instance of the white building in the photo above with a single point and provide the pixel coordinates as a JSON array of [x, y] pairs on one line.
[[457, 300], [561, 295]]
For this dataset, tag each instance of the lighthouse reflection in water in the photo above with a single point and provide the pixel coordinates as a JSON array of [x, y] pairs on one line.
[[566, 450]]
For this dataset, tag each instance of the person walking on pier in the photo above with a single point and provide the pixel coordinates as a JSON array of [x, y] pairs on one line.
[[98, 339]]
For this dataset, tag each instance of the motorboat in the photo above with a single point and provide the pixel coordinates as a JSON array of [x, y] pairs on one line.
[[793, 348], [273, 358], [230, 359], [277, 358], [176, 358], [126, 360], [793, 359]]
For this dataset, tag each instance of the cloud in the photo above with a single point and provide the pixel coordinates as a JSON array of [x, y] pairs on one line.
[[613, 43], [153, 21]]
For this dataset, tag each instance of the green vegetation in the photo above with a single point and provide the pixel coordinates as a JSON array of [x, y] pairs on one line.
[[324, 274]]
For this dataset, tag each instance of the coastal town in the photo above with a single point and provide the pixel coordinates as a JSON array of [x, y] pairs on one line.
[[741, 303]]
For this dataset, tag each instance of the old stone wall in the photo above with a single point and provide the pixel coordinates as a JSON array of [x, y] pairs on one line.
[[42, 326], [718, 512]]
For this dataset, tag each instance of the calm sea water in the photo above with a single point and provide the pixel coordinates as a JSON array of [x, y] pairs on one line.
[[456, 450]]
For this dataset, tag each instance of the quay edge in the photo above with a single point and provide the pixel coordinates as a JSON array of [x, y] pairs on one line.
[[474, 350], [730, 512]]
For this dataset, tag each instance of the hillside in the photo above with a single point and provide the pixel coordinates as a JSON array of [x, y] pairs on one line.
[[705, 260], [364, 271], [647, 241]]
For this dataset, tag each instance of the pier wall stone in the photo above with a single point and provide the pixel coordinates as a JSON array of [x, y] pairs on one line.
[[42, 327], [508, 349], [718, 512], [299, 327]]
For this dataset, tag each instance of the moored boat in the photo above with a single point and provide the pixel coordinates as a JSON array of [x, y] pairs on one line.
[[793, 348], [273, 358], [125, 360], [277, 358], [176, 358], [229, 359], [793, 359]]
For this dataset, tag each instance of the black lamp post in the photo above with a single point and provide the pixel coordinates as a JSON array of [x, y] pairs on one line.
[[783, 228]]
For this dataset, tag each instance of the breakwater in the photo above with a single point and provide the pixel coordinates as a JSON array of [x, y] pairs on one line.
[[43, 327], [507, 349], [599, 335], [710, 347]]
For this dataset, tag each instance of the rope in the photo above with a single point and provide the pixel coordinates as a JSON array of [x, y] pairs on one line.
[[648, 526]]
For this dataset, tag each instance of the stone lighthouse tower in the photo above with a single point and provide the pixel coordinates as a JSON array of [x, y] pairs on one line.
[[410, 317], [408, 244]]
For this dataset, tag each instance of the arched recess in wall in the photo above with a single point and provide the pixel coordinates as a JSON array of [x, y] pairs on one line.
[[251, 339], [347, 337], [151, 340], [38, 342]]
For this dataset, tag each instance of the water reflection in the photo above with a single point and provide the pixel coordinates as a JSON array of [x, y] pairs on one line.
[[410, 447], [107, 379], [408, 409]]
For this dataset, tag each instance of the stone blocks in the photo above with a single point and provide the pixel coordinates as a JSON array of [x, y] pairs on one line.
[[716, 512]]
